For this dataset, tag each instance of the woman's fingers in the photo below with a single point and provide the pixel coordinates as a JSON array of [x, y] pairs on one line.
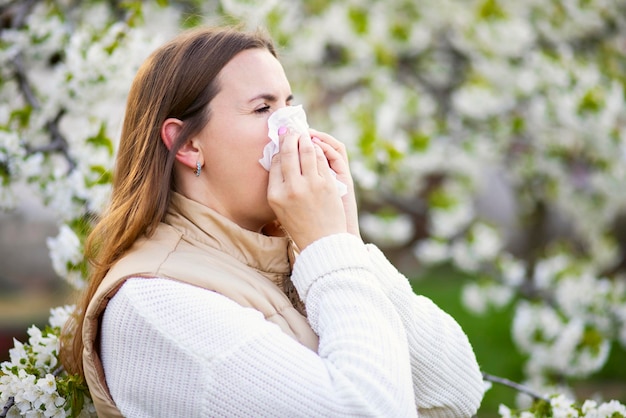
[[308, 156], [323, 165], [334, 159], [302, 192], [331, 141], [303, 159], [336, 155], [289, 158]]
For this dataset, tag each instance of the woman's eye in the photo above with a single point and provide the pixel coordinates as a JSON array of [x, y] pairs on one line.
[[263, 109]]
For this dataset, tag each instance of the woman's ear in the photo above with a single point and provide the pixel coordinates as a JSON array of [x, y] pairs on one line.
[[188, 154], [170, 130]]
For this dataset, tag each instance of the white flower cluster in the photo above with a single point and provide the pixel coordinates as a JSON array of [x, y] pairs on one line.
[[58, 126], [571, 337], [568, 347], [66, 253], [393, 230], [480, 243], [562, 407], [32, 396], [10, 153], [34, 384]]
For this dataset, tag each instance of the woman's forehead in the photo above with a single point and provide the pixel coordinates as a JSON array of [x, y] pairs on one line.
[[254, 68]]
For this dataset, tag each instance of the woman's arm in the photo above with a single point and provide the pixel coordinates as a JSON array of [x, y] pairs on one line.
[[446, 377]]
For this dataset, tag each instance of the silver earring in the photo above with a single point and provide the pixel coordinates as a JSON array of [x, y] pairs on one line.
[[198, 169]]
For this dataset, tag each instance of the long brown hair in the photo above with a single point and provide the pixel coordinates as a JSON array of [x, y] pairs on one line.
[[178, 80]]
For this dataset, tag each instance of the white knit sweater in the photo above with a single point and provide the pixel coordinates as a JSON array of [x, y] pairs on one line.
[[174, 350]]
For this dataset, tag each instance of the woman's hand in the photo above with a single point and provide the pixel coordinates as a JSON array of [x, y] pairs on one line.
[[302, 191], [337, 156]]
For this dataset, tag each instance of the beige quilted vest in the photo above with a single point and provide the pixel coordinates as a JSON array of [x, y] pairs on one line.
[[196, 245]]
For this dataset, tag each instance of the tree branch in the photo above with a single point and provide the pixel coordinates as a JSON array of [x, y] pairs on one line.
[[7, 406], [14, 14], [22, 82], [520, 388], [58, 143]]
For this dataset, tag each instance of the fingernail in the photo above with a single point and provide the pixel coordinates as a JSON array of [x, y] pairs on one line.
[[282, 130]]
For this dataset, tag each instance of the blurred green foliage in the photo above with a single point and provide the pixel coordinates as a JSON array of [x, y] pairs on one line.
[[490, 335]]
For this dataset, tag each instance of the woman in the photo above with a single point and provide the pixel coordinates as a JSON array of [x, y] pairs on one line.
[[197, 304]]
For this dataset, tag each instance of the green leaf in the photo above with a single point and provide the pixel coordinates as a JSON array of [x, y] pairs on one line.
[[591, 102], [541, 408], [440, 199], [105, 176], [592, 339], [491, 10], [385, 56], [5, 174], [518, 125], [76, 388], [359, 20], [419, 141], [394, 153], [101, 139], [135, 12], [22, 115], [191, 20], [400, 32]]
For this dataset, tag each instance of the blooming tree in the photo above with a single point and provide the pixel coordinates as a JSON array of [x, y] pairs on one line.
[[486, 133]]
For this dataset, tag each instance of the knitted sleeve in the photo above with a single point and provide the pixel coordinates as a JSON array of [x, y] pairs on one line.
[[171, 349], [446, 377]]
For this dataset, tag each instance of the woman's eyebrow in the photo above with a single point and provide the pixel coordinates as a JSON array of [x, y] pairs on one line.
[[270, 97]]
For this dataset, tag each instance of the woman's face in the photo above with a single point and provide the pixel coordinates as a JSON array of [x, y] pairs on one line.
[[252, 86]]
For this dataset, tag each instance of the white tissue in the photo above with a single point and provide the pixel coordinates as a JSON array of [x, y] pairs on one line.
[[293, 118]]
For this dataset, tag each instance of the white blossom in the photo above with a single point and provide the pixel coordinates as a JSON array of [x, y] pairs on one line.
[[446, 222], [486, 241], [474, 298], [608, 409], [65, 249], [431, 251], [507, 38], [504, 411], [18, 354], [512, 270], [547, 270], [562, 407], [45, 348], [60, 315], [479, 297], [534, 325], [47, 384]]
